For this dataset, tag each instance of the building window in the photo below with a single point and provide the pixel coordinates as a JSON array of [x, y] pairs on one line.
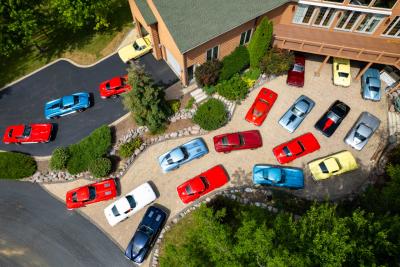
[[384, 3], [369, 23], [212, 53], [348, 20], [245, 37], [360, 2], [394, 28], [303, 14], [324, 17]]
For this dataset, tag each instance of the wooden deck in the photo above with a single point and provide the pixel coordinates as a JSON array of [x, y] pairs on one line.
[[354, 46]]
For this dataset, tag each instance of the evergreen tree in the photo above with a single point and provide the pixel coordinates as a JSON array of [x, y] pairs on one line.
[[260, 42]]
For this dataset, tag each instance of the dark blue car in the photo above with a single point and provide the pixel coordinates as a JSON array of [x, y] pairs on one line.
[[146, 234], [288, 177]]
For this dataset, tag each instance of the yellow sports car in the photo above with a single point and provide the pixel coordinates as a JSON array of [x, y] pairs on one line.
[[332, 165], [341, 72], [140, 47]]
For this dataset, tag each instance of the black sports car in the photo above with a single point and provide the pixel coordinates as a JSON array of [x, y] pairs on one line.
[[332, 118]]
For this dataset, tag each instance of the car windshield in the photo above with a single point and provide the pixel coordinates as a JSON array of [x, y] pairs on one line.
[[297, 112], [241, 140], [298, 68], [74, 197], [10, 133], [374, 88], [58, 105], [359, 136], [205, 182], [27, 131], [92, 192], [343, 74], [147, 230], [115, 211], [189, 190], [137, 47], [131, 201], [76, 99], [287, 151], [323, 167], [225, 141], [108, 86]]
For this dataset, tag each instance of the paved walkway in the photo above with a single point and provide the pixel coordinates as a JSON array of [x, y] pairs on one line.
[[320, 89]]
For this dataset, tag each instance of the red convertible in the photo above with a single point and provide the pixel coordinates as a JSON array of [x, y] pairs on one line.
[[28, 134], [114, 87], [296, 148], [236, 141], [296, 73], [91, 193], [202, 184], [261, 106]]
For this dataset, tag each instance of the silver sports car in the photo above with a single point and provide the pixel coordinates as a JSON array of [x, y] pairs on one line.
[[296, 113], [361, 132]]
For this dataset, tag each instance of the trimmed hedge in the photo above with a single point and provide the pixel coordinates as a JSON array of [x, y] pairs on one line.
[[59, 158], [100, 167], [233, 89], [211, 115], [260, 42], [208, 73], [16, 165], [92, 147], [175, 105], [126, 150], [234, 63], [277, 61]]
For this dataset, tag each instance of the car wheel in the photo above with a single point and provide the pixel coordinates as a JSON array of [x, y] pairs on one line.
[[56, 117], [81, 110], [114, 96], [18, 143]]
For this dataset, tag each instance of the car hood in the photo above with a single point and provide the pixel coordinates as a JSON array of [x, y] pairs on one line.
[[138, 242]]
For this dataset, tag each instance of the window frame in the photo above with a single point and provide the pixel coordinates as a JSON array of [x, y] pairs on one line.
[[212, 53], [390, 27], [245, 37]]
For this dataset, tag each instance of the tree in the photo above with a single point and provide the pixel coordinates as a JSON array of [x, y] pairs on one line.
[[260, 42], [146, 100]]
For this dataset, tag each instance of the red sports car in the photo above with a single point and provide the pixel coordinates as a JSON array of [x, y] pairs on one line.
[[28, 134], [296, 148], [261, 106], [236, 141], [114, 87], [296, 73], [91, 193], [202, 184]]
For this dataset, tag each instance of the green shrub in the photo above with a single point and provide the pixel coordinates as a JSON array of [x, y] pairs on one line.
[[126, 150], [209, 90], [190, 103], [16, 165], [277, 61], [208, 73], [211, 115], [233, 89], [92, 147], [260, 42], [234, 63], [59, 158], [251, 76], [175, 105], [100, 167]]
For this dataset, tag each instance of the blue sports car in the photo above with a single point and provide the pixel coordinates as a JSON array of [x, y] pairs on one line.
[[174, 158], [145, 235], [371, 85], [289, 177], [296, 113], [65, 105]]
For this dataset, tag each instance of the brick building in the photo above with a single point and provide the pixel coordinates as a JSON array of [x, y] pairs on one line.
[[186, 33]]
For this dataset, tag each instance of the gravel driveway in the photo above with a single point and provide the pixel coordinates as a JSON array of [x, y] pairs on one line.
[[320, 89]]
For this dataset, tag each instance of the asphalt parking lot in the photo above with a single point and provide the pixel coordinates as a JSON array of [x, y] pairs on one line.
[[24, 101]]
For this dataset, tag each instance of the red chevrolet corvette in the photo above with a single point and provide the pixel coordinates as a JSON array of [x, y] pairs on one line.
[[91, 193], [236, 141], [261, 106], [28, 134], [202, 184], [114, 87], [296, 73], [296, 148]]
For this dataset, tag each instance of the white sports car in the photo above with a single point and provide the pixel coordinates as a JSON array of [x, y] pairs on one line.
[[131, 203]]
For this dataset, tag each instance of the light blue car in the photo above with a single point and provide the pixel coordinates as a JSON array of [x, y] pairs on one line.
[[65, 105], [371, 85], [296, 113], [180, 155], [265, 174]]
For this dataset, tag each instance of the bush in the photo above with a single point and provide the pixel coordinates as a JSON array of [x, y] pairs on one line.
[[208, 73], [277, 62], [251, 76], [234, 63], [92, 147], [211, 115], [126, 150], [175, 105], [190, 103], [260, 42], [16, 165], [59, 158], [100, 167], [209, 90], [233, 89]]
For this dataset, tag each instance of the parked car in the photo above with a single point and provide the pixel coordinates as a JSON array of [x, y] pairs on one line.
[[296, 73], [236, 141], [135, 50], [28, 133], [361, 132], [202, 184], [266, 174], [296, 148], [341, 72], [332, 118], [131, 203], [65, 105], [261, 106], [91, 193], [146, 234], [332, 165], [296, 113], [180, 155], [371, 84], [114, 87]]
